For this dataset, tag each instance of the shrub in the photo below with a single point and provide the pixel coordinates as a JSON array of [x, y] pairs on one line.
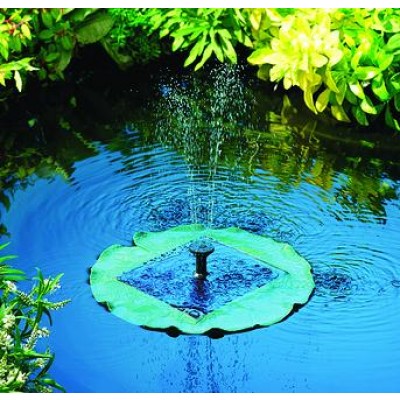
[[132, 40], [203, 32], [44, 40], [344, 60], [22, 367]]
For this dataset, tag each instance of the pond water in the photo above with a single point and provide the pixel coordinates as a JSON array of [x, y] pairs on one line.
[[177, 148]]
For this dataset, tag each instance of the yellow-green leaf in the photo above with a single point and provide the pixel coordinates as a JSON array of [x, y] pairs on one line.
[[196, 50], [18, 80], [26, 31], [330, 82], [177, 42], [309, 100], [367, 106], [339, 113], [357, 89], [323, 100], [206, 55]]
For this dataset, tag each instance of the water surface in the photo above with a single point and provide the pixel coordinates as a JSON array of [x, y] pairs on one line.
[[212, 148]]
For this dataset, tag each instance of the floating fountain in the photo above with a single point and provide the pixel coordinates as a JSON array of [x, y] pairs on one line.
[[241, 280], [249, 281]]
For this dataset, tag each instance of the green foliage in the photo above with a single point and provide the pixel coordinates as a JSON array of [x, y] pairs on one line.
[[131, 39], [22, 367], [203, 31], [44, 40], [344, 60], [15, 36]]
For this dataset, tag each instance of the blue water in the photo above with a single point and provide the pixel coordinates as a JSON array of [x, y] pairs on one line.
[[345, 339], [230, 275]]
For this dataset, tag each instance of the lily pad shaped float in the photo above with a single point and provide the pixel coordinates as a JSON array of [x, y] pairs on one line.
[[271, 279]]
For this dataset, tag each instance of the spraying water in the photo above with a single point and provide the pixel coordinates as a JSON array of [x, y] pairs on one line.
[[199, 120]]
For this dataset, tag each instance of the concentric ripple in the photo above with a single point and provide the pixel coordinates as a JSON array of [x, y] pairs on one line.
[[232, 174]]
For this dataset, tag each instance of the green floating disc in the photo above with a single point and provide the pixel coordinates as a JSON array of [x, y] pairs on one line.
[[288, 281]]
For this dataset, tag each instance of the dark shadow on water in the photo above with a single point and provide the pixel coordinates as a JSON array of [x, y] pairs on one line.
[[217, 333]]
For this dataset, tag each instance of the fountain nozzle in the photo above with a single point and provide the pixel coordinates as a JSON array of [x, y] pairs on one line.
[[201, 249]]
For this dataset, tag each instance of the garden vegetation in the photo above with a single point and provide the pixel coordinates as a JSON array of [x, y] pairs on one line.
[[345, 62]]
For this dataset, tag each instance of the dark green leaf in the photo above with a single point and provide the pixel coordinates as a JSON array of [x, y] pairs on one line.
[[351, 97], [94, 28], [43, 372], [47, 19], [360, 115], [395, 82], [52, 383], [397, 102], [228, 49], [64, 60], [46, 34], [67, 42], [390, 121], [51, 57], [80, 14]]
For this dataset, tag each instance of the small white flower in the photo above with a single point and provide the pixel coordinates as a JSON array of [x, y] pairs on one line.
[[21, 378], [8, 321], [6, 341], [10, 286], [43, 332]]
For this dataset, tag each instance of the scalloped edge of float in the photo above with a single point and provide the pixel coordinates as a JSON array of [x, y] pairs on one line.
[[261, 307]]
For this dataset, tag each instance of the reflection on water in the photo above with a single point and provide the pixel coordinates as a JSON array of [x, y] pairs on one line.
[[209, 148]]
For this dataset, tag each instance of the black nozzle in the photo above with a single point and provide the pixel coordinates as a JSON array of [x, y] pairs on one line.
[[201, 249]]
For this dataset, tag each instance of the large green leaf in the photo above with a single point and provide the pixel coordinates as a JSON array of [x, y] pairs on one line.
[[393, 43], [94, 28]]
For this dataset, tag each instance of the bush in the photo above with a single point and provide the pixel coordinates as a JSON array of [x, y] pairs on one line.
[[44, 40], [203, 32], [22, 367], [344, 60], [132, 39]]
